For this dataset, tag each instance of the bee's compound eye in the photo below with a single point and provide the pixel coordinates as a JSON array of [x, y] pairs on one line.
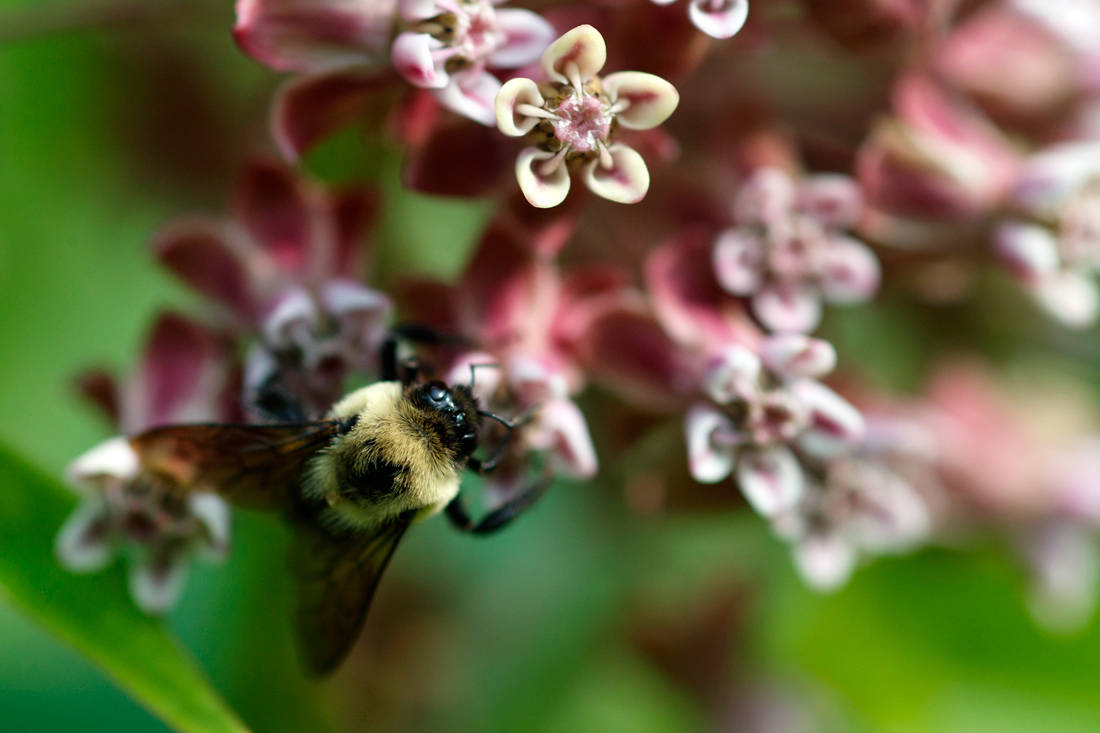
[[437, 392]]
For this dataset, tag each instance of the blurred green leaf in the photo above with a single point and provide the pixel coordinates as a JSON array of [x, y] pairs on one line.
[[94, 613]]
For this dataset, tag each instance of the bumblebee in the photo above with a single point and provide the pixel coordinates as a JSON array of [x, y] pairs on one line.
[[385, 457]]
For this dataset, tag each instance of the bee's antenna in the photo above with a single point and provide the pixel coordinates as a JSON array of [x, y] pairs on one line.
[[514, 423], [473, 371]]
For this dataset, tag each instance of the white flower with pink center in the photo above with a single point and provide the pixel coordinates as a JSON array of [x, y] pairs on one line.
[[572, 118], [1055, 253], [449, 44], [788, 250], [716, 18], [767, 409]]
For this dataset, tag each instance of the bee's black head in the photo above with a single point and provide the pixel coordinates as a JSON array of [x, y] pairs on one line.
[[454, 411]]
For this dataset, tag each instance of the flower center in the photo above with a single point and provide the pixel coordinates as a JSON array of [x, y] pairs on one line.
[[476, 36], [581, 123]]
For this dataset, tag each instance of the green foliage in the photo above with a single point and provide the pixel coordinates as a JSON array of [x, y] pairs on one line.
[[94, 613]]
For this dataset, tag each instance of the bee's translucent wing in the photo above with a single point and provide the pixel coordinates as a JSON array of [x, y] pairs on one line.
[[337, 574], [257, 466]]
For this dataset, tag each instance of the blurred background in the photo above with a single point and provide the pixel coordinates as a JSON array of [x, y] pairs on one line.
[[584, 616]]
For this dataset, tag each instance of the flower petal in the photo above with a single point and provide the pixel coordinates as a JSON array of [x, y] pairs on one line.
[[1054, 174], [213, 513], [1029, 251], [355, 213], [734, 373], [849, 271], [541, 190], [650, 98], [719, 20], [1069, 296], [512, 93], [738, 261], [626, 181], [708, 463], [833, 200], [417, 10], [787, 308], [202, 254], [155, 586], [825, 560], [471, 94], [113, 458], [560, 428], [412, 58], [292, 319], [791, 356], [484, 381], [272, 205], [771, 479], [525, 35], [581, 48], [311, 35], [459, 158], [834, 426], [767, 194], [84, 543], [174, 385], [309, 108]]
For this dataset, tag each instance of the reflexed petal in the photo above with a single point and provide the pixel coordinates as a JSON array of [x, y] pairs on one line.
[[825, 560], [733, 374], [835, 425], [707, 462], [582, 47], [769, 193], [791, 356], [514, 92], [787, 309], [540, 190], [535, 380], [1069, 296], [113, 458], [881, 511], [213, 513], [833, 200], [651, 98], [311, 35], [175, 378], [525, 36], [459, 158], [771, 479], [355, 214], [722, 22], [412, 57], [84, 543], [99, 387], [202, 254], [849, 271], [560, 428], [1029, 251], [738, 261], [309, 108], [343, 298], [471, 94], [272, 206], [156, 586], [625, 182]]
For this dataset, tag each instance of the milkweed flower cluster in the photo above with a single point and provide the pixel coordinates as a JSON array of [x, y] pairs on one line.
[[699, 310]]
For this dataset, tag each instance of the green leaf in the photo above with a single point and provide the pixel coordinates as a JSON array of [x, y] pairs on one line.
[[94, 612]]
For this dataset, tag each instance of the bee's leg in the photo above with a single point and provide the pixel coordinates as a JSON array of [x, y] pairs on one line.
[[499, 517]]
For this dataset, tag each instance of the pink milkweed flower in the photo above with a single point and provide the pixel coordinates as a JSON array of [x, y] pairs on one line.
[[184, 377], [450, 43], [788, 249], [287, 271], [571, 120], [716, 18], [520, 315], [447, 46], [766, 408], [1055, 252], [937, 158]]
